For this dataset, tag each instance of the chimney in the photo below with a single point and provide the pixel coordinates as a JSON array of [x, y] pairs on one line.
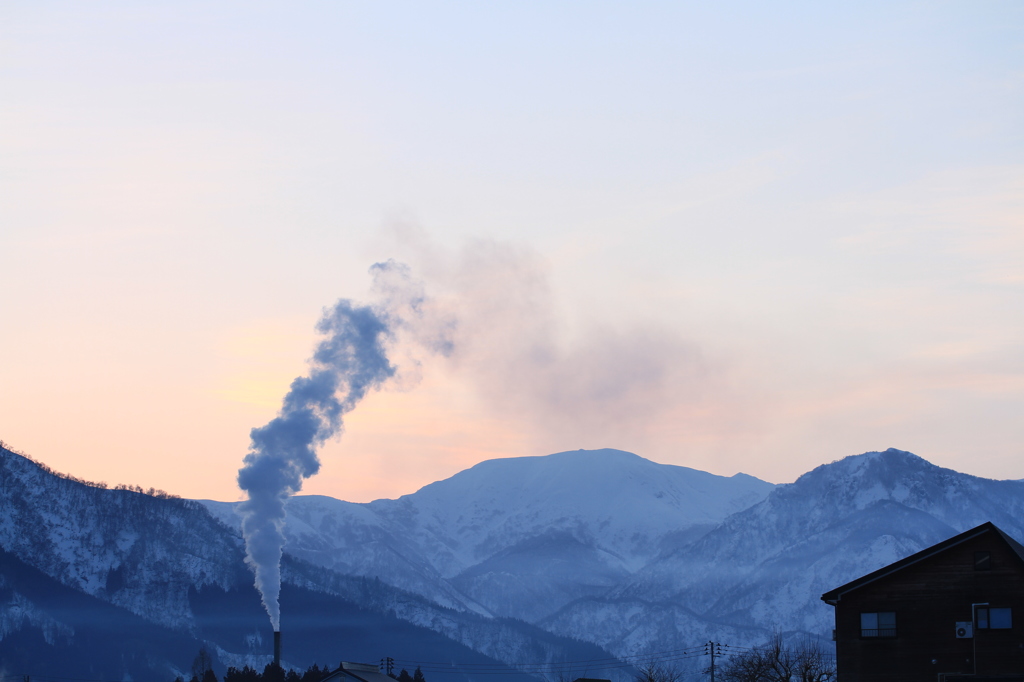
[[277, 648]]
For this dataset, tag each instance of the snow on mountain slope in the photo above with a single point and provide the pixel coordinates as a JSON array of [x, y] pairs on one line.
[[601, 546], [767, 566], [57, 632], [518, 537], [167, 572], [135, 551], [353, 540], [827, 497], [616, 500], [510, 641], [532, 578]]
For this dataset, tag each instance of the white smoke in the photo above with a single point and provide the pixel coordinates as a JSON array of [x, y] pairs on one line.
[[351, 360]]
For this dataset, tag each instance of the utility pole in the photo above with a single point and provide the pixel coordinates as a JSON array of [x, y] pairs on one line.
[[711, 648], [388, 665]]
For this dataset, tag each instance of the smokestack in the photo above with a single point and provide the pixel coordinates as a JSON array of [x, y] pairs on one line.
[[277, 648]]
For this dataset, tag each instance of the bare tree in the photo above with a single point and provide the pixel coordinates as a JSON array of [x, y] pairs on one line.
[[778, 662], [656, 672], [814, 664]]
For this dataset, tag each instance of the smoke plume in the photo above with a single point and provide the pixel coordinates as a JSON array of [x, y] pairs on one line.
[[493, 316], [348, 362], [563, 380]]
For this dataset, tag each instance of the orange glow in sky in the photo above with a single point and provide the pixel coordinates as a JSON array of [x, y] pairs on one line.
[[739, 239]]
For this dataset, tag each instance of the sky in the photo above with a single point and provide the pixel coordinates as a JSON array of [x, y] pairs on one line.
[[739, 236]]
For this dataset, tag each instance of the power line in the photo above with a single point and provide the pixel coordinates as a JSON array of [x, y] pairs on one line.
[[655, 656], [713, 649]]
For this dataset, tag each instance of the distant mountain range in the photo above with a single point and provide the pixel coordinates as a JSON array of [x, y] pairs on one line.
[[578, 556], [104, 584], [518, 537], [766, 567]]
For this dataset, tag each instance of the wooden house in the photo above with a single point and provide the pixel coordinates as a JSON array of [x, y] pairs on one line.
[[953, 611], [357, 672]]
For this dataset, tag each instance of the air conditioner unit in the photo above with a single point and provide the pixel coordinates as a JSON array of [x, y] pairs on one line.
[[964, 629]]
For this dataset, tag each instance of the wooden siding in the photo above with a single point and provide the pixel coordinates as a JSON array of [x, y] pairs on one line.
[[929, 598]]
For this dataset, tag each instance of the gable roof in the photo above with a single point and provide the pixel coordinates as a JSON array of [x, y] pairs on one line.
[[357, 672], [833, 596]]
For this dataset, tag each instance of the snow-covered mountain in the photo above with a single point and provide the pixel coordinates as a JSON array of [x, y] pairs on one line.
[[765, 567], [518, 537], [617, 501], [113, 544], [122, 583], [601, 551]]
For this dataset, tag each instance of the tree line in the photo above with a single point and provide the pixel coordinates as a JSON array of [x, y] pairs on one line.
[[775, 661], [202, 671]]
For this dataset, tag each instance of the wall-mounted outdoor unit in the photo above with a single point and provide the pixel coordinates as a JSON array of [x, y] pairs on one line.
[[964, 629]]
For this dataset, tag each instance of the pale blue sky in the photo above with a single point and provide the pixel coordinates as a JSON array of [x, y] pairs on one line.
[[791, 231]]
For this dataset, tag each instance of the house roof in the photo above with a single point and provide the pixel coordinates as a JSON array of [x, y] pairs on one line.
[[833, 596], [357, 672]]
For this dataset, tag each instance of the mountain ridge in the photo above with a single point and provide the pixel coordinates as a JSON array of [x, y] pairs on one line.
[[165, 563], [628, 558], [766, 566], [469, 536]]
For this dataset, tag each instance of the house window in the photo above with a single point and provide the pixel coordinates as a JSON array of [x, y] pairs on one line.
[[995, 619], [878, 624], [983, 561]]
